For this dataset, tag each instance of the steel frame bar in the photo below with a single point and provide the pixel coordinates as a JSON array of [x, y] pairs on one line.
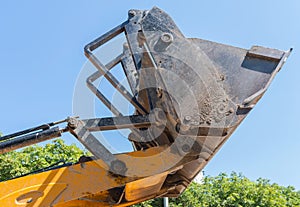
[[122, 122], [82, 129], [105, 71], [100, 95]]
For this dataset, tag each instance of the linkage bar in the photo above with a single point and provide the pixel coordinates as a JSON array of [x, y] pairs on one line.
[[30, 139]]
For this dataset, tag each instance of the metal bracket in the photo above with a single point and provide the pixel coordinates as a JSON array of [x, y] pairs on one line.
[[104, 71], [82, 129]]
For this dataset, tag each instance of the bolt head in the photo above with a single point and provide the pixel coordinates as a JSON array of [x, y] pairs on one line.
[[118, 167], [72, 123], [131, 13], [187, 118], [167, 37]]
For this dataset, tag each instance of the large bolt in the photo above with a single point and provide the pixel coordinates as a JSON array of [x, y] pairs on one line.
[[163, 42], [167, 38], [72, 123], [118, 167], [131, 13], [187, 118]]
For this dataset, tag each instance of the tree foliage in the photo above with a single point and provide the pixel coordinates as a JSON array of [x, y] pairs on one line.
[[234, 190], [17, 163]]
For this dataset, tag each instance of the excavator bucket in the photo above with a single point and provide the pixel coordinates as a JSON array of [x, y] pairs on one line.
[[199, 91], [189, 96]]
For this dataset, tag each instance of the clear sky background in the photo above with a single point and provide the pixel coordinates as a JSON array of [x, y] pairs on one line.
[[41, 56]]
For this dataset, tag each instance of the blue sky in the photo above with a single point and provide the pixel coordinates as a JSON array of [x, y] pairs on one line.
[[42, 54]]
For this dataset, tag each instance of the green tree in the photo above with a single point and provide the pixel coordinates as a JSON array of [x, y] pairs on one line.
[[234, 190], [33, 158]]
